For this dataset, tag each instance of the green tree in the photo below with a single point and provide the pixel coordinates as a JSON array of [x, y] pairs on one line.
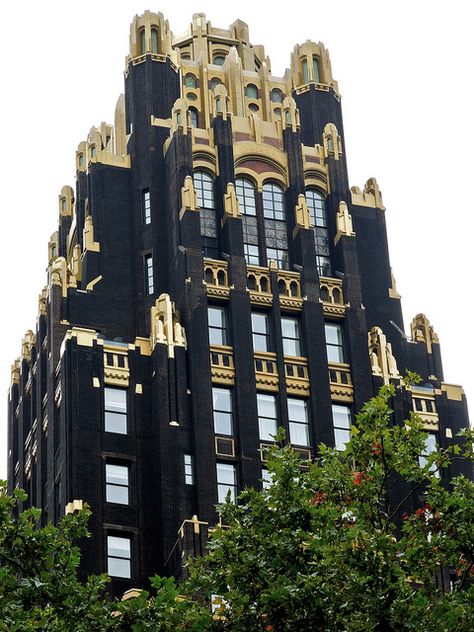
[[322, 548]]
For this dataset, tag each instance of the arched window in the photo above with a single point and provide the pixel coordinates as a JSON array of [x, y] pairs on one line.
[[190, 80], [63, 204], [92, 151], [330, 143], [142, 41], [251, 91], [246, 196], [276, 95], [154, 40], [318, 217], [305, 71], [253, 107], [316, 69], [273, 201], [204, 187], [215, 81], [193, 115], [248, 207], [81, 160], [276, 237], [178, 118], [218, 59]]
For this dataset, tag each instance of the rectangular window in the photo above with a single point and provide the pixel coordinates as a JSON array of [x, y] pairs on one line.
[[116, 484], [280, 257], [267, 416], [266, 479], [149, 282], [334, 343], [115, 410], [217, 326], [324, 266], [290, 331], [226, 482], [222, 410], [146, 205], [188, 469], [341, 419], [298, 418], [430, 447], [118, 556], [252, 256], [250, 234], [260, 332]]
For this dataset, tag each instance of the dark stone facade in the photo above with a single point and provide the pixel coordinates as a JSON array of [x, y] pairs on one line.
[[105, 323]]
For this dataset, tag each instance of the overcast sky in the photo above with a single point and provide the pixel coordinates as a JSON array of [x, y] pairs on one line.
[[405, 72]]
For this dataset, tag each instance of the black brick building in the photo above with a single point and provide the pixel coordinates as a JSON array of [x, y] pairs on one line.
[[213, 276]]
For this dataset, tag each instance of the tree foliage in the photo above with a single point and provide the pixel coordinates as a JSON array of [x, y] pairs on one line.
[[326, 547]]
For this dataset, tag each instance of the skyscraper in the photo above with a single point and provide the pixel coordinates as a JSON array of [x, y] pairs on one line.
[[213, 276]]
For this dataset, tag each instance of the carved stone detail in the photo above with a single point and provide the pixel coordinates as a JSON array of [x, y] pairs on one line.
[[382, 360], [343, 222], [165, 326], [422, 331]]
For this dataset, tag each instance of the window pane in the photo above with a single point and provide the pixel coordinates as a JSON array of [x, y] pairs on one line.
[[118, 568], [118, 547], [222, 399], [117, 474], [297, 410], [299, 434], [266, 479], [341, 437], [267, 429], [216, 317], [216, 337], [333, 334], [117, 494], [266, 405], [341, 416], [259, 323], [115, 399], [226, 473], [223, 423], [115, 423]]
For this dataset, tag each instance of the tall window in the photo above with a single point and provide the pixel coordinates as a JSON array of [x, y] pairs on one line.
[[341, 419], [248, 207], [316, 69], [267, 416], [334, 342], [275, 224], [222, 410], [154, 40], [116, 484], [305, 71], [226, 482], [430, 447], [204, 186], [193, 115], [251, 91], [119, 556], [146, 206], [318, 218], [188, 469], [260, 331], [190, 81], [298, 418], [290, 331], [217, 326], [142, 41], [276, 95], [115, 410], [149, 281]]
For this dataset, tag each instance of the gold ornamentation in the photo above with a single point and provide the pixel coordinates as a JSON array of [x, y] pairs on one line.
[[422, 331], [382, 360], [165, 326], [188, 197], [231, 203], [343, 222]]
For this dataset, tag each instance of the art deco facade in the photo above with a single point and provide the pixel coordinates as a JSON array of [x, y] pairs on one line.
[[213, 276]]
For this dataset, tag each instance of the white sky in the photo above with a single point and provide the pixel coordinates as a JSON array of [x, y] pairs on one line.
[[405, 74]]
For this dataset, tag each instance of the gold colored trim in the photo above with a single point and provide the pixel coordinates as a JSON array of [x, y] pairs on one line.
[[382, 360], [165, 326], [297, 378], [222, 364], [138, 389], [453, 392], [332, 297], [66, 202], [188, 197], [422, 331], [340, 382], [131, 593], [228, 440], [144, 346], [266, 371], [302, 219], [88, 236], [84, 337], [75, 505], [95, 382], [90, 286], [15, 372], [216, 278], [231, 203], [371, 196], [392, 291], [117, 372], [343, 223], [196, 525]]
